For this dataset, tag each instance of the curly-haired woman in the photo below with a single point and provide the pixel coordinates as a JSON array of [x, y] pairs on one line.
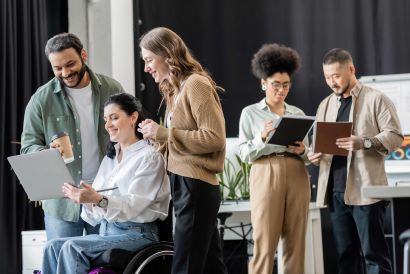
[[279, 184]]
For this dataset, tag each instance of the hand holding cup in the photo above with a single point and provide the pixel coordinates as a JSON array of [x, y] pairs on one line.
[[61, 141]]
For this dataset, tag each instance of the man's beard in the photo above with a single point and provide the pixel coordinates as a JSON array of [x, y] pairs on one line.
[[344, 90], [80, 75]]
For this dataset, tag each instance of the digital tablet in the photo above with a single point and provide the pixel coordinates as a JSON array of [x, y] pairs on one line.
[[291, 128]]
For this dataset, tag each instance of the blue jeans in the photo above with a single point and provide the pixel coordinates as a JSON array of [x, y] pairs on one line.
[[359, 235], [74, 254], [57, 228]]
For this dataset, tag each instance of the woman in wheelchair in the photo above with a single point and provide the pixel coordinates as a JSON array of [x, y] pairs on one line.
[[128, 213]]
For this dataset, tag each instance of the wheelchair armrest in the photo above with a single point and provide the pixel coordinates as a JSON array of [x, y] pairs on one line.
[[405, 236]]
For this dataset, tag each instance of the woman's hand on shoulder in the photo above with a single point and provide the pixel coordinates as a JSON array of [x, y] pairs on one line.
[[149, 129], [82, 194]]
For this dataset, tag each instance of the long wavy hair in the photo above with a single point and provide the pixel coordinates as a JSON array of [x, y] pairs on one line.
[[166, 43]]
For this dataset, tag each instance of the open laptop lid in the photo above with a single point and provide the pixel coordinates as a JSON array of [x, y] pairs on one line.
[[42, 173]]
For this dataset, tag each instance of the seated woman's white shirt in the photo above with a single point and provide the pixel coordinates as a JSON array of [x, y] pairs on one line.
[[143, 193]]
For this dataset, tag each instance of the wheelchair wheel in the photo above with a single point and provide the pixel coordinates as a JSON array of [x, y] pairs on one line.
[[154, 259]]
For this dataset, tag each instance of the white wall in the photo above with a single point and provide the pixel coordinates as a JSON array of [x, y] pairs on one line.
[[123, 67], [106, 29], [99, 36]]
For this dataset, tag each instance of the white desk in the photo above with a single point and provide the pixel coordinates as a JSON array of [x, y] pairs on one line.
[[313, 251], [33, 243], [400, 208], [387, 192]]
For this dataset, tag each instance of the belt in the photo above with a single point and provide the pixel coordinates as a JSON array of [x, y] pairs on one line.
[[282, 154]]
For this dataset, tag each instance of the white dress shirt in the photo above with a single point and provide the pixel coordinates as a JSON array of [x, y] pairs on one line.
[[143, 192]]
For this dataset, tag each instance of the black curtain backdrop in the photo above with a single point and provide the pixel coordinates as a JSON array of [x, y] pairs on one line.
[[224, 35], [23, 33]]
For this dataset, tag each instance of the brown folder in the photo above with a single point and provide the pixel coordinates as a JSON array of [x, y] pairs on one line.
[[325, 136]]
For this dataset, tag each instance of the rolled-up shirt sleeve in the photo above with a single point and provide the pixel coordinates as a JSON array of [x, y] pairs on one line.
[[390, 135]]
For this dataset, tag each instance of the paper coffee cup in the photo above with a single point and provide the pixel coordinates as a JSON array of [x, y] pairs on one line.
[[63, 140]]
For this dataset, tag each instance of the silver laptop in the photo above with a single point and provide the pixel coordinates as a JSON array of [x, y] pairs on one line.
[[42, 173]]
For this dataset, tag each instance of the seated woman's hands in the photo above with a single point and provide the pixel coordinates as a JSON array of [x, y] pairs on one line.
[[81, 195]]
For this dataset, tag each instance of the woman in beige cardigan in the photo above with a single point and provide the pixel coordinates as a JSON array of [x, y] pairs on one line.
[[193, 140]]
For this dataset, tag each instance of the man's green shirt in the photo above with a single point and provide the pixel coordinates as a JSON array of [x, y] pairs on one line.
[[48, 112]]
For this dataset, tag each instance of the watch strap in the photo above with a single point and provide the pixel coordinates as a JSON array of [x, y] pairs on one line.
[[367, 143], [103, 203]]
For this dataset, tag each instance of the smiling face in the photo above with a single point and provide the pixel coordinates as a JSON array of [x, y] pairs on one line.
[[155, 65], [277, 87], [69, 67], [340, 78], [119, 125]]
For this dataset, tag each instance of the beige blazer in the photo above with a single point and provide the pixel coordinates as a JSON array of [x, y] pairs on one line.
[[373, 115]]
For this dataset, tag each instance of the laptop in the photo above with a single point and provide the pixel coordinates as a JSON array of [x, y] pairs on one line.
[[42, 174]]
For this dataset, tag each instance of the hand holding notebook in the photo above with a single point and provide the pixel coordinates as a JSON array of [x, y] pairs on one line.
[[291, 128], [326, 134]]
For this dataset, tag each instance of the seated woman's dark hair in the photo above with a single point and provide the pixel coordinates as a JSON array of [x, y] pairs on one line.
[[129, 104], [273, 58]]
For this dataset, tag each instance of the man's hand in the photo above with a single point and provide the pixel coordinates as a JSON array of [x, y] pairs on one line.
[[351, 143], [267, 129], [300, 149], [149, 129], [81, 195], [315, 158], [57, 146]]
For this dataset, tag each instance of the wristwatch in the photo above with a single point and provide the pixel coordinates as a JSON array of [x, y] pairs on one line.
[[103, 203], [367, 143]]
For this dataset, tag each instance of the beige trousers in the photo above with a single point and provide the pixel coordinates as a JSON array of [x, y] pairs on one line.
[[280, 195]]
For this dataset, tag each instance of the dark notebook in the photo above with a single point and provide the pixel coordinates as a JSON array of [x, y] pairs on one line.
[[325, 135], [290, 129]]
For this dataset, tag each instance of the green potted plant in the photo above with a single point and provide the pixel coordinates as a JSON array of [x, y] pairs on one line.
[[235, 180]]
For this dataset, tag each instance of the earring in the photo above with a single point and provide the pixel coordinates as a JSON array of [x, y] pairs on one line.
[[263, 87], [133, 125]]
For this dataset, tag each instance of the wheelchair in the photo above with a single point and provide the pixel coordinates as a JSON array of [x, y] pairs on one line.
[[155, 258]]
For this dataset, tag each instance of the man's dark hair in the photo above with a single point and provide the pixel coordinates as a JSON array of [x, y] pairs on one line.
[[337, 55], [273, 58], [129, 104], [63, 41]]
